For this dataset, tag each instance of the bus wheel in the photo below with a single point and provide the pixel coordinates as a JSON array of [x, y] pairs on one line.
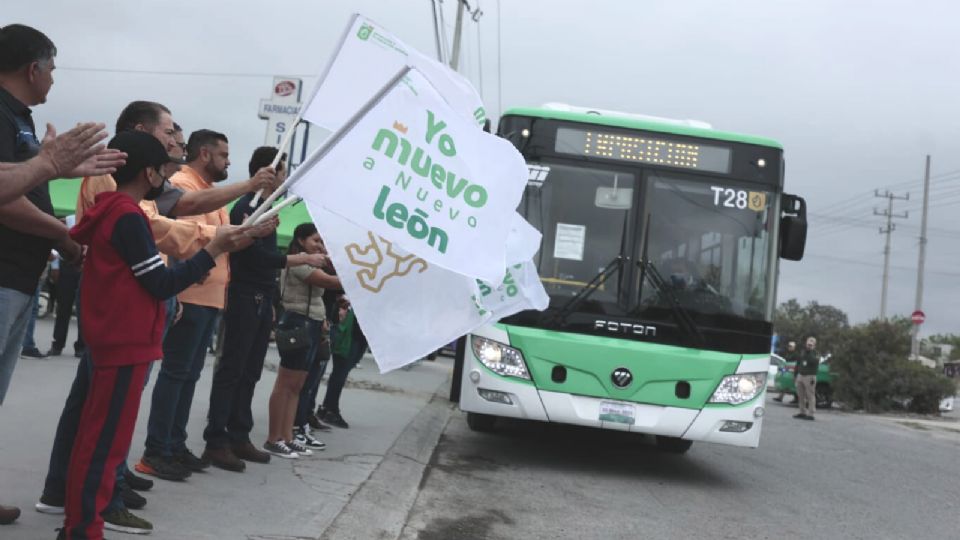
[[482, 423], [673, 445]]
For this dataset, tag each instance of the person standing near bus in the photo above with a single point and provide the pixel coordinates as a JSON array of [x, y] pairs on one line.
[[807, 364], [790, 355]]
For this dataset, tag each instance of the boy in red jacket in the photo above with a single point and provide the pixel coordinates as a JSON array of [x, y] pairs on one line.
[[123, 289]]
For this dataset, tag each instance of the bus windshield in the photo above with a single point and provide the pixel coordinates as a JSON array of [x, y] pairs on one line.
[[711, 243], [584, 214]]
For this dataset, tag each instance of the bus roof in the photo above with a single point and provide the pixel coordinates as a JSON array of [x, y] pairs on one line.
[[610, 118]]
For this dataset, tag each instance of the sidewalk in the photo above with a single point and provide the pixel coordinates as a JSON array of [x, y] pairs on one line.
[[282, 500]]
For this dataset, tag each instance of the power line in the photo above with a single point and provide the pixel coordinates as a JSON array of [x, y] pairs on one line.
[[843, 260], [176, 73]]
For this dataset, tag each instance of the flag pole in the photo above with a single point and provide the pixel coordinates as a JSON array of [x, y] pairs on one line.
[[316, 88], [291, 199], [329, 143]]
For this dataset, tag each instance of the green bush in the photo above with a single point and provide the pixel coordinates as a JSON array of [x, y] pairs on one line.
[[920, 388], [873, 373]]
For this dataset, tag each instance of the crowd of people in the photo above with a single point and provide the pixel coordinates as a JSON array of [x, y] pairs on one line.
[[152, 227]]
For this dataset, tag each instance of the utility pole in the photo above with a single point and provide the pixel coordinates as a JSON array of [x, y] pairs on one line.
[[457, 35], [918, 305], [888, 213], [438, 31]]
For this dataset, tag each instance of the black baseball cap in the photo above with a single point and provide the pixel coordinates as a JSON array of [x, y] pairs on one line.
[[143, 151]]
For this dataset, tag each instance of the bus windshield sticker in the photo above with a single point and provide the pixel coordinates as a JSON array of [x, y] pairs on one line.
[[569, 241], [538, 174], [740, 199]]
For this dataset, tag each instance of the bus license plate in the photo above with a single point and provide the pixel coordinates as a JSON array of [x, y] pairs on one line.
[[621, 413]]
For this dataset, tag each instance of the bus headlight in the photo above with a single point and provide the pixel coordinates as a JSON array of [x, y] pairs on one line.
[[739, 388], [500, 358]]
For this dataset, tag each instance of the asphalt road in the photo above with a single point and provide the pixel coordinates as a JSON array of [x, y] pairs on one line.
[[843, 476]]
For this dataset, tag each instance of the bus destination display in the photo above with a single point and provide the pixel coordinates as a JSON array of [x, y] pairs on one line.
[[643, 149]]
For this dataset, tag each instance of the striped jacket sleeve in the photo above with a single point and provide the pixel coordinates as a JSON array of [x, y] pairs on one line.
[[132, 240]]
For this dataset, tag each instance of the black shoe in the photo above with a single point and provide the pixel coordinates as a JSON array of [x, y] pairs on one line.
[[32, 353], [808, 417], [334, 419], [800, 416], [132, 499], [55, 351], [137, 483], [190, 461], [316, 424], [166, 468]]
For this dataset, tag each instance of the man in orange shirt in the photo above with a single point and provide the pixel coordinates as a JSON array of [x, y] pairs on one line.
[[185, 346]]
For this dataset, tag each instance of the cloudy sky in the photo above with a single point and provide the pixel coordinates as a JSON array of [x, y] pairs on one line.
[[857, 91]]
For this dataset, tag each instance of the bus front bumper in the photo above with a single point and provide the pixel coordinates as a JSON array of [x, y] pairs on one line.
[[484, 392]]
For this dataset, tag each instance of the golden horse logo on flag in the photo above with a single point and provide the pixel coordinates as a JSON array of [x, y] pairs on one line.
[[380, 263], [757, 201]]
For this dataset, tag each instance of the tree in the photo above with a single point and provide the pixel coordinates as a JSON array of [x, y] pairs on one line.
[[872, 371], [794, 322]]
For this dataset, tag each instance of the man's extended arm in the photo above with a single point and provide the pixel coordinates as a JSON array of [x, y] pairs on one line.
[[194, 203], [74, 153], [177, 238]]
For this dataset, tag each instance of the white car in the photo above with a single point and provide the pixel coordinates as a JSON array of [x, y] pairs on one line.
[[776, 362], [947, 404]]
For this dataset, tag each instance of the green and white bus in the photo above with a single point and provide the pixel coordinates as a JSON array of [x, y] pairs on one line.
[[660, 253]]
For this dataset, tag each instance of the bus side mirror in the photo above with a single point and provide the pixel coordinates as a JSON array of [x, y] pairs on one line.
[[793, 227]]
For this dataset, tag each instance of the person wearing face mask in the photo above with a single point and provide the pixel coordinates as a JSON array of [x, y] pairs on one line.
[[123, 338], [179, 239]]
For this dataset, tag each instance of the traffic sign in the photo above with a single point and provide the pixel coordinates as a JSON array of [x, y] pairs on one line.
[[918, 317]]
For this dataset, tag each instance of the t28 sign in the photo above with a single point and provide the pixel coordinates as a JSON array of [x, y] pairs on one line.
[[739, 198]]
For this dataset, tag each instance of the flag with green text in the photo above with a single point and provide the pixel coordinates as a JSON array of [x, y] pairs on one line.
[[417, 173]]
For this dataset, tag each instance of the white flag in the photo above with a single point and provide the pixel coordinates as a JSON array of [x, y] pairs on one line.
[[520, 290], [418, 174], [409, 308], [368, 53], [406, 306]]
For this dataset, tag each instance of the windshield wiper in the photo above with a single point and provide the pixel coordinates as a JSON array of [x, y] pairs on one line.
[[684, 320], [648, 270], [561, 315]]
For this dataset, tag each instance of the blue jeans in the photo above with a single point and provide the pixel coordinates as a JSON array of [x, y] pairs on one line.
[[28, 341], [14, 311], [184, 352]]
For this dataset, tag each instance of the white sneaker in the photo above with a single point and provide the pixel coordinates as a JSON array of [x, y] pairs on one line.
[[299, 448], [303, 436], [280, 449]]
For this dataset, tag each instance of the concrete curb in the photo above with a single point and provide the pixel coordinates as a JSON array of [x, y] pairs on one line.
[[379, 509]]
